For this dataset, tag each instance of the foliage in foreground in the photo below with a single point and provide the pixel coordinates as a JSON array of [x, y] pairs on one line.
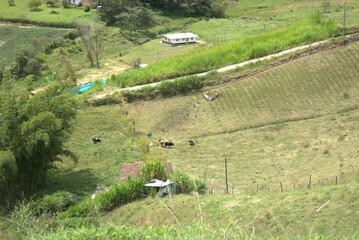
[[197, 231], [34, 130]]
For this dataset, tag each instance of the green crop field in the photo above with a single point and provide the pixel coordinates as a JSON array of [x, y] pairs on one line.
[[281, 125], [15, 38]]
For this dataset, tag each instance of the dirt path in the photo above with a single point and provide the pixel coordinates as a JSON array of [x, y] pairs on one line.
[[104, 72]]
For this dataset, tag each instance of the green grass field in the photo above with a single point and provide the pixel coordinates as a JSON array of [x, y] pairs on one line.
[[43, 14]]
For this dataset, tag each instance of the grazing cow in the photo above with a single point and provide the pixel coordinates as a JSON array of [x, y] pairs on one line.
[[166, 144], [96, 140], [191, 143]]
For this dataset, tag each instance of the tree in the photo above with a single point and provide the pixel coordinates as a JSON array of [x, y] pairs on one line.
[[52, 4], [26, 63], [66, 70], [8, 172], [33, 4], [92, 36], [34, 130]]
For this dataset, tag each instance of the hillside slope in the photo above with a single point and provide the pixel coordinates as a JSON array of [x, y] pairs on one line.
[[306, 214], [281, 125]]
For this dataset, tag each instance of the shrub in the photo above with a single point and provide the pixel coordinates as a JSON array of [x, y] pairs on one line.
[[118, 195], [65, 3], [33, 4], [54, 203], [154, 170], [184, 184], [11, 3]]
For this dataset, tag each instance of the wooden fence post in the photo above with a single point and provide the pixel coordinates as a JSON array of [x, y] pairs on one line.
[[225, 169], [233, 188], [281, 187], [310, 181]]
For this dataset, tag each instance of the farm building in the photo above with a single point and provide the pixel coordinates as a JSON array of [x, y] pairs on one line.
[[180, 38], [162, 188], [79, 2]]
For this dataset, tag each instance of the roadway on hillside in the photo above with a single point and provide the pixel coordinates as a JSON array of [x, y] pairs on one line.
[[223, 69]]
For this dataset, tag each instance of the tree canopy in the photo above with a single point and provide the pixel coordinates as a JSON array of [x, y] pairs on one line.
[[34, 129]]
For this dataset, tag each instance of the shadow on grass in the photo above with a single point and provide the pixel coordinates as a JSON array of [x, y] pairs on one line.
[[36, 10], [81, 183], [54, 12]]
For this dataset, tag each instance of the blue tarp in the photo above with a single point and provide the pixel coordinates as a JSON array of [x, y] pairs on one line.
[[85, 87]]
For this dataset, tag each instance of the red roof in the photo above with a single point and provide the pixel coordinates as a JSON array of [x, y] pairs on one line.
[[85, 2]]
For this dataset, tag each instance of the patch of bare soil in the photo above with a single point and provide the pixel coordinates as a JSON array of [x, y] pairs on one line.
[[105, 71]]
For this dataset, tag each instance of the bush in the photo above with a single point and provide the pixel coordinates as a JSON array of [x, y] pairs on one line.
[[33, 4], [65, 3], [154, 170], [117, 196], [54, 203], [11, 3], [71, 35], [184, 184]]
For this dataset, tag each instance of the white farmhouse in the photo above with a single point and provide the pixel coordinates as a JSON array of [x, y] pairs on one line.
[[78, 2], [178, 38]]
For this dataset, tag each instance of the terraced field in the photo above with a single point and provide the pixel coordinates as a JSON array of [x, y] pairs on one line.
[[279, 126]]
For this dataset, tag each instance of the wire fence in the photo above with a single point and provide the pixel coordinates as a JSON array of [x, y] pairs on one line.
[[233, 187]]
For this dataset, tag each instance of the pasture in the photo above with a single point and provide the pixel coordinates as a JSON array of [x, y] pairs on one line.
[[96, 165], [281, 125], [43, 14]]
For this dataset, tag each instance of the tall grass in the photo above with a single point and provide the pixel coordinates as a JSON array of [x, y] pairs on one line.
[[205, 59]]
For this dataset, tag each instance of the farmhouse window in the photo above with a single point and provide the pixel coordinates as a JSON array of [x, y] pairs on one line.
[[177, 40], [184, 39]]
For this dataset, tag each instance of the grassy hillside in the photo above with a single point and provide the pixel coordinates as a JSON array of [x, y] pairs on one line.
[[282, 125], [96, 165], [289, 215]]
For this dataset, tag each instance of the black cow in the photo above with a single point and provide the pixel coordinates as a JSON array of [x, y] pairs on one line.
[[191, 143], [96, 140], [166, 144]]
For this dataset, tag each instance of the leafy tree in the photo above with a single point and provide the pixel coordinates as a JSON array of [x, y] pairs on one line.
[[26, 63], [218, 8], [33, 4], [92, 34], [52, 4], [34, 130], [66, 70]]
